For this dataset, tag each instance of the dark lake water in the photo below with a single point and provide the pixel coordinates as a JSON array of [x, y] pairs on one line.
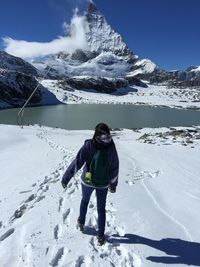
[[86, 116]]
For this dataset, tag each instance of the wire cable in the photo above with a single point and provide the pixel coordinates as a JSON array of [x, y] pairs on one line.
[[20, 115]]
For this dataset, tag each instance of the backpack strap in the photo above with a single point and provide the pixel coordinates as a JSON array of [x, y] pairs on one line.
[[89, 160]]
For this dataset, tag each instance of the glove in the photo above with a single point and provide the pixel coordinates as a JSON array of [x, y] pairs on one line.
[[112, 189], [64, 185]]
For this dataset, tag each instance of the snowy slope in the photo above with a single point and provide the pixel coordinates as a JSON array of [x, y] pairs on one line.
[[152, 220], [9, 62], [196, 69], [16, 87], [104, 65], [17, 82], [143, 66], [154, 95]]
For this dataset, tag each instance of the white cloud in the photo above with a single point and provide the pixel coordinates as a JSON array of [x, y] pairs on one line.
[[66, 28], [75, 40]]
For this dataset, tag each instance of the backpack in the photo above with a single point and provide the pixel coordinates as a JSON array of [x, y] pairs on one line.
[[99, 169]]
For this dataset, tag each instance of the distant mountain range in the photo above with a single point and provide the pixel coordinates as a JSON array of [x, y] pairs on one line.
[[106, 66]]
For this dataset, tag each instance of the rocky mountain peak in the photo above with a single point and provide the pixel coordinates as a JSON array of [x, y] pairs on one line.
[[92, 8], [101, 37]]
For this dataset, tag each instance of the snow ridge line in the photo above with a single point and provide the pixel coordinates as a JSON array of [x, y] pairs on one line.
[[165, 213]]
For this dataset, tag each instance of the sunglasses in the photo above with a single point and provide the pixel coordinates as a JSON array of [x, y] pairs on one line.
[[104, 138]]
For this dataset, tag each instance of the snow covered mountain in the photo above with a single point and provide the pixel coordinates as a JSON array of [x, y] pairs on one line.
[[102, 38], [181, 79], [17, 82], [11, 63], [106, 65], [107, 60]]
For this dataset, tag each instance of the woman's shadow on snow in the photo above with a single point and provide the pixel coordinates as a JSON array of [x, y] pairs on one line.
[[178, 251]]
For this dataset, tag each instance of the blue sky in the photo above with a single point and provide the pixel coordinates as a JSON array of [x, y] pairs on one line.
[[165, 31]]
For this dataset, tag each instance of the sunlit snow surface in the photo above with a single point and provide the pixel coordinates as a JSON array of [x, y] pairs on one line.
[[154, 95], [152, 220], [104, 65]]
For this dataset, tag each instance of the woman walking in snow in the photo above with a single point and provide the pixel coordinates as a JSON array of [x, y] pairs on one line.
[[100, 173]]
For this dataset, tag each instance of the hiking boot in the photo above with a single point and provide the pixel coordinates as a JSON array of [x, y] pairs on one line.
[[80, 226], [101, 240]]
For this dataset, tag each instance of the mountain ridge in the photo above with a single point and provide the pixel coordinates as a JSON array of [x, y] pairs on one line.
[[108, 66]]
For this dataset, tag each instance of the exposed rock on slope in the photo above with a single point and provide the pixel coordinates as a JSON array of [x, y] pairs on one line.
[[102, 38], [16, 87], [17, 82], [9, 62]]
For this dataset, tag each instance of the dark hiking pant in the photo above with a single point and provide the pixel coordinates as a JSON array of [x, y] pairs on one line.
[[101, 195]]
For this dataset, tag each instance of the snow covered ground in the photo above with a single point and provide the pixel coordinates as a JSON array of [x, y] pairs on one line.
[[153, 95], [152, 220]]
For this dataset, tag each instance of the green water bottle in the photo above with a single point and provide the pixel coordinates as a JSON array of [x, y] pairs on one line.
[[88, 177]]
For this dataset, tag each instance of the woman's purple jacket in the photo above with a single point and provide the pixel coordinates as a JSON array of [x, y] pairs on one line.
[[85, 155]]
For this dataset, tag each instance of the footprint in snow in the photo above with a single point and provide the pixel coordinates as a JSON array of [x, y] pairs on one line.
[[110, 221], [58, 257], [19, 212], [108, 251], [24, 192], [69, 185], [66, 216], [82, 260], [47, 187], [57, 231], [56, 174], [149, 175], [79, 261], [130, 182], [7, 234], [154, 174], [71, 192], [60, 206], [91, 205], [55, 181], [143, 176], [40, 198], [117, 255], [30, 198]]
